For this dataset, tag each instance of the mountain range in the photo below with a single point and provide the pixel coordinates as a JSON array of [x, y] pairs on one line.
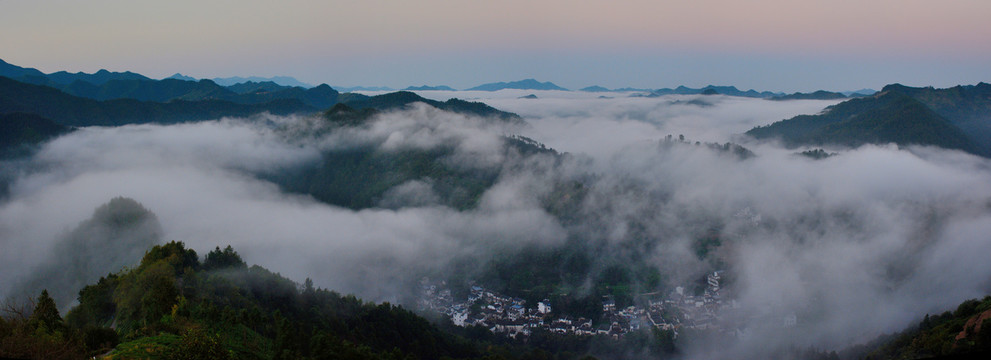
[[64, 80], [35, 76], [712, 90], [952, 118], [281, 80], [70, 110], [817, 95], [430, 88]]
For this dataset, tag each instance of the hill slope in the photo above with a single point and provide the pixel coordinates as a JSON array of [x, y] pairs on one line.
[[962, 333], [892, 115], [400, 99]]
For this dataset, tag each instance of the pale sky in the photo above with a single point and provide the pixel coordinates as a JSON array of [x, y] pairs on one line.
[[778, 45]]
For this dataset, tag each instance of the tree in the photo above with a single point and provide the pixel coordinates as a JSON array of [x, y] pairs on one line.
[[196, 344], [223, 259], [45, 316]]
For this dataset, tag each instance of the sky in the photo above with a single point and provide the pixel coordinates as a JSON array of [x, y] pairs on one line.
[[777, 45]]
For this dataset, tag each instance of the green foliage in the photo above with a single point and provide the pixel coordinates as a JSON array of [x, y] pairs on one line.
[[947, 334], [96, 306], [45, 317], [157, 347], [196, 344], [169, 308], [358, 178], [40, 335], [816, 154], [144, 296], [223, 259]]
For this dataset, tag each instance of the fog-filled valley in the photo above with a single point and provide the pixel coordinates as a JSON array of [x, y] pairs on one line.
[[589, 197]]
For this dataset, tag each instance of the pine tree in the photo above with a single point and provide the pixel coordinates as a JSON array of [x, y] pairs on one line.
[[45, 315]]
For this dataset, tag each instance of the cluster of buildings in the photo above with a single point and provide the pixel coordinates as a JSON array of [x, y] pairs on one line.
[[511, 316]]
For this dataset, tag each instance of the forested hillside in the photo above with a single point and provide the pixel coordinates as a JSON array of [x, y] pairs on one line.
[[954, 118]]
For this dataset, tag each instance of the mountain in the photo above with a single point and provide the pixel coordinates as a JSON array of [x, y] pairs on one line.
[[594, 88], [527, 84], [117, 233], [890, 116], [34, 76], [179, 76], [359, 178], [166, 90], [968, 107], [281, 80], [859, 92], [712, 90], [364, 88], [72, 110], [255, 86], [319, 97], [97, 78], [23, 129], [629, 89], [818, 95], [429, 88], [14, 71], [401, 99]]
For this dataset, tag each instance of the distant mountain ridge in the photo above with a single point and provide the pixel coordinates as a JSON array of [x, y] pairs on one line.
[[713, 89], [952, 118], [35, 76], [363, 88], [179, 76], [69, 110], [526, 84], [396, 100], [594, 88], [281, 80], [817, 95], [429, 88], [105, 85]]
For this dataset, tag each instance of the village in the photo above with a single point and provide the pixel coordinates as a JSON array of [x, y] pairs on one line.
[[511, 316]]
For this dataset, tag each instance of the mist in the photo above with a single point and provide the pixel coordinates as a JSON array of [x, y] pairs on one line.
[[854, 245]]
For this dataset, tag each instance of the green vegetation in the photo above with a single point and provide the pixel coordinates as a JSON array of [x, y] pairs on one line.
[[954, 118], [965, 331], [816, 154], [173, 306], [359, 177]]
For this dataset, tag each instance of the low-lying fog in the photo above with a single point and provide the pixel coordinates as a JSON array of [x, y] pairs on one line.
[[854, 245]]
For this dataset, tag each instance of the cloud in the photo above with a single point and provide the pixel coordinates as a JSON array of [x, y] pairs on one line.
[[201, 181], [853, 245]]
